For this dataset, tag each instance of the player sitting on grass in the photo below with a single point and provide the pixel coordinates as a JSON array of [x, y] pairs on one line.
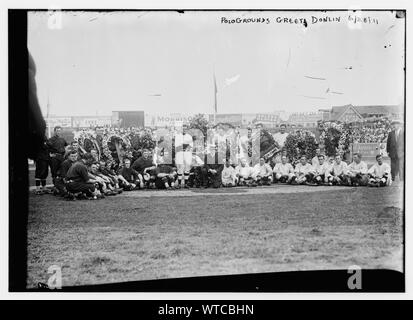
[[228, 175], [339, 172], [321, 171], [245, 174], [379, 173], [304, 172], [128, 177], [283, 171], [102, 183], [110, 182], [144, 165], [357, 171], [213, 172], [105, 170], [165, 176], [263, 173]]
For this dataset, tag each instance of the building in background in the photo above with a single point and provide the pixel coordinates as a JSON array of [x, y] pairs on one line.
[[306, 119], [350, 113]]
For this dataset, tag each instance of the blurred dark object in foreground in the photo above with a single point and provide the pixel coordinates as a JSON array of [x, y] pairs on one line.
[[37, 125]]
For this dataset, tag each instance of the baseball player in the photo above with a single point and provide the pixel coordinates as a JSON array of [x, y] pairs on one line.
[[339, 172], [283, 171], [263, 173], [321, 170], [304, 172], [245, 174], [228, 175], [357, 171], [379, 173]]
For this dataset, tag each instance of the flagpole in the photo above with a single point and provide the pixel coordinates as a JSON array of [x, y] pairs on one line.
[[47, 117], [215, 99]]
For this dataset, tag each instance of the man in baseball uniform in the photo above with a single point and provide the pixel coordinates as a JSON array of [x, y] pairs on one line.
[[283, 171], [321, 171], [263, 173], [245, 174], [228, 175], [304, 171], [339, 172], [379, 173], [358, 171]]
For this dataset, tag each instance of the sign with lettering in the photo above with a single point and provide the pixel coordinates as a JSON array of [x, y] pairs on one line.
[[64, 122]]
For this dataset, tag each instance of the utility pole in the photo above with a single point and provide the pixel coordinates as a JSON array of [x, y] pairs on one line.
[[47, 117]]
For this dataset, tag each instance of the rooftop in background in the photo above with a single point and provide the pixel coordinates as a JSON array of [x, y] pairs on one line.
[[349, 112]]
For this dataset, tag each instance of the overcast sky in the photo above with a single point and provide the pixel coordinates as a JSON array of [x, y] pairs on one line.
[[164, 62]]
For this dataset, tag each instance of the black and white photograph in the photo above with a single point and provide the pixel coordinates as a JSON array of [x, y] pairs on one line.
[[181, 145]]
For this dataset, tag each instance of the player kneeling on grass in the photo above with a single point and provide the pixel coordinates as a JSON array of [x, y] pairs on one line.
[[283, 171], [228, 175], [357, 171], [263, 173], [379, 173], [78, 180], [245, 174], [339, 172], [128, 177], [321, 171], [304, 172]]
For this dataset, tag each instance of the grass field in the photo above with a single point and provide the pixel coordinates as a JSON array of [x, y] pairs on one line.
[[162, 234]]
